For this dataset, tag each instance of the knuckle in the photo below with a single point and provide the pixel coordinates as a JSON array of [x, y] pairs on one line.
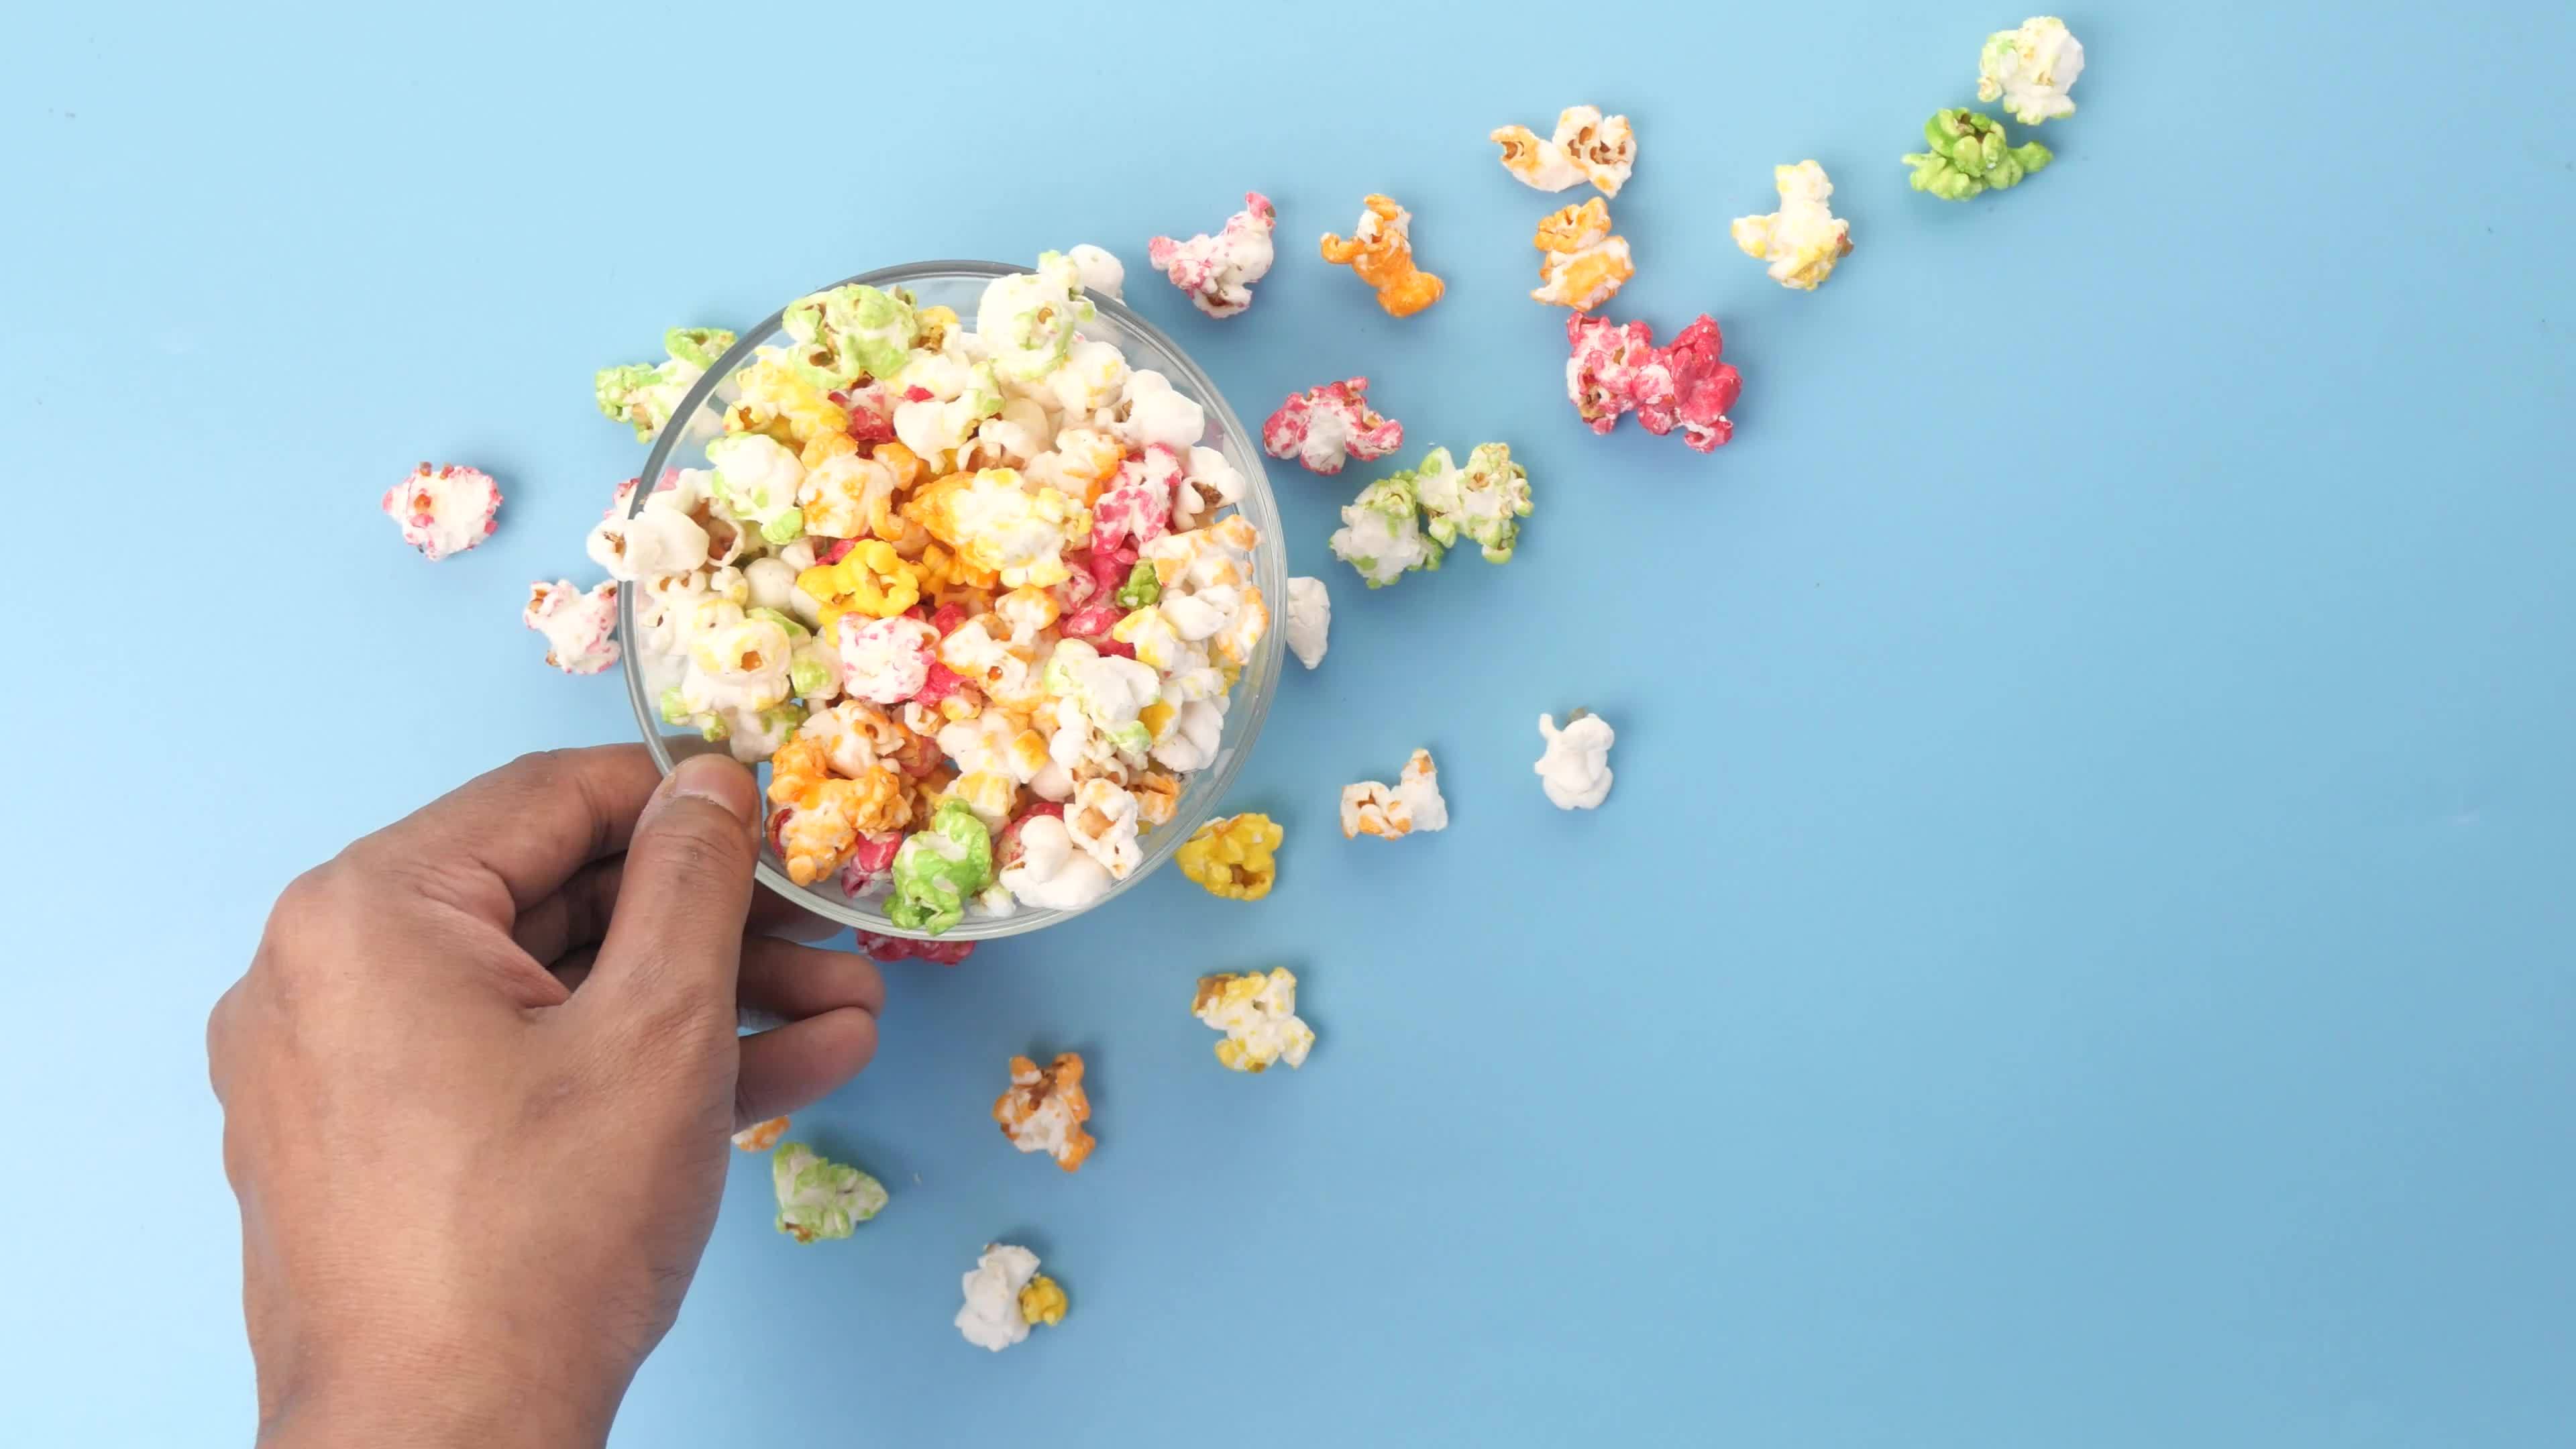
[[696, 848]]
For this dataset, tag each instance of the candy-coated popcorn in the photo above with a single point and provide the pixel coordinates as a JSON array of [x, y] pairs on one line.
[[1967, 154], [1257, 1011], [1310, 620], [577, 625], [1803, 239], [1218, 271], [939, 868], [849, 332], [1043, 1303], [884, 661], [1101, 272], [758, 479], [1028, 318], [1323, 427], [740, 663], [1108, 691], [1138, 505], [1371, 808], [761, 1136], [871, 581], [1575, 767], [818, 1198], [644, 395], [1381, 533], [841, 494], [1157, 793], [1617, 369], [1141, 587], [1484, 500], [444, 510], [886, 950], [1581, 265], [944, 402], [855, 736], [2031, 70], [993, 1318], [1380, 251], [784, 403], [1017, 530], [1102, 819], [655, 543], [822, 814], [1045, 1108], [1233, 857], [1050, 871], [1587, 146]]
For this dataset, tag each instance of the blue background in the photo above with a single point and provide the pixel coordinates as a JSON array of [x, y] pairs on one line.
[[2079, 952]]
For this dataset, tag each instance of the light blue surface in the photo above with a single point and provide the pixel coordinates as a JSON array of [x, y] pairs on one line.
[[2079, 952]]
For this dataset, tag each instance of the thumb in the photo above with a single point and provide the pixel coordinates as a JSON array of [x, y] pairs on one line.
[[674, 941]]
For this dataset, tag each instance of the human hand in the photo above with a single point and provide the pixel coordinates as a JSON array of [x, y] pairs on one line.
[[477, 1095]]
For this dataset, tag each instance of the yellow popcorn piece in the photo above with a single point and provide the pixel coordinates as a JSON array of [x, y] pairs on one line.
[[1803, 239], [1043, 1303], [761, 1136], [1258, 1013], [775, 401], [872, 579], [1234, 858]]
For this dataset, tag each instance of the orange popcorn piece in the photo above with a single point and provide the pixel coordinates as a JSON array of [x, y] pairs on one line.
[[1581, 265], [761, 1136], [1045, 1108], [1380, 252]]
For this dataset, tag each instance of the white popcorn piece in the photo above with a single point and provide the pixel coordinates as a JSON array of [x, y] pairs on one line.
[[1102, 820], [2031, 69], [1575, 767], [1052, 872], [655, 543], [991, 1318], [446, 510], [1413, 803], [1149, 411], [1310, 620], [1258, 1014], [1102, 273], [578, 626], [1190, 741]]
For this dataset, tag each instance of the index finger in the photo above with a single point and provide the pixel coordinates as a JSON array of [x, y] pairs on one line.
[[510, 838]]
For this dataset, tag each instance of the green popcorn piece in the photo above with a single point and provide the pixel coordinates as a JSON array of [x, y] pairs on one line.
[[940, 868], [1968, 155], [819, 1198], [644, 396], [1482, 501], [673, 706], [621, 390], [849, 332], [983, 395], [699, 347], [1142, 587], [1028, 317], [809, 672], [1381, 533], [757, 478], [797, 633]]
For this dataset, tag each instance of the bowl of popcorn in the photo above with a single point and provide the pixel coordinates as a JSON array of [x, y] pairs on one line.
[[975, 564]]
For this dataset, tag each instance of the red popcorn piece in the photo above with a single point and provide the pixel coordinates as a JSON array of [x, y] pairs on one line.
[[837, 550], [1137, 506], [871, 863], [1702, 389], [871, 413], [1323, 427], [1616, 368], [886, 950], [946, 620], [943, 682], [1092, 625]]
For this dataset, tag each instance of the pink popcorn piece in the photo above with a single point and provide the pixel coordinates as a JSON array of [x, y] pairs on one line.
[[1218, 271], [869, 865], [885, 950], [1137, 505], [1616, 368], [445, 509], [1324, 427], [577, 625]]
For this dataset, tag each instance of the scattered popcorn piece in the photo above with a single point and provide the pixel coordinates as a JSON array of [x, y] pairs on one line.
[[1234, 857], [993, 1317], [1381, 533], [1575, 769], [1101, 272], [444, 510], [1323, 427], [1258, 1014], [1218, 271], [1370, 808], [1616, 369], [577, 625], [1310, 620], [940, 868], [886, 950], [1581, 265], [1380, 251], [1968, 155], [818, 1198], [1485, 500], [644, 395], [1043, 1303], [1803, 239], [761, 1136], [2031, 69], [1586, 147], [1045, 1108]]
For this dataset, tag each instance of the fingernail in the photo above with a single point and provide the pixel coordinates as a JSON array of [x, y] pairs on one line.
[[716, 780]]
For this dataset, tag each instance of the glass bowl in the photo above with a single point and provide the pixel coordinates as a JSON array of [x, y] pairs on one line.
[[959, 285]]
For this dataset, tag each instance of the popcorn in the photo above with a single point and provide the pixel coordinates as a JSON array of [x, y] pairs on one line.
[[939, 868], [658, 542], [1218, 271], [1150, 413], [577, 625], [1380, 251], [1233, 857], [1617, 369], [1045, 1108], [784, 403], [1381, 532], [1803, 239], [1051, 872], [887, 950], [1138, 505], [1967, 155], [849, 332], [1310, 620], [1586, 147], [871, 581], [758, 479], [1018, 532], [1575, 769], [1581, 265], [1103, 820], [1258, 1014], [1101, 273], [1188, 743], [1323, 426], [644, 395], [1004, 1286], [2031, 69], [841, 495], [821, 815], [1028, 318], [444, 510], [1208, 483], [1370, 808], [1482, 500], [820, 1199], [761, 1136]]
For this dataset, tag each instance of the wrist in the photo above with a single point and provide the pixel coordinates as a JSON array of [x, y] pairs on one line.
[[432, 1406]]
